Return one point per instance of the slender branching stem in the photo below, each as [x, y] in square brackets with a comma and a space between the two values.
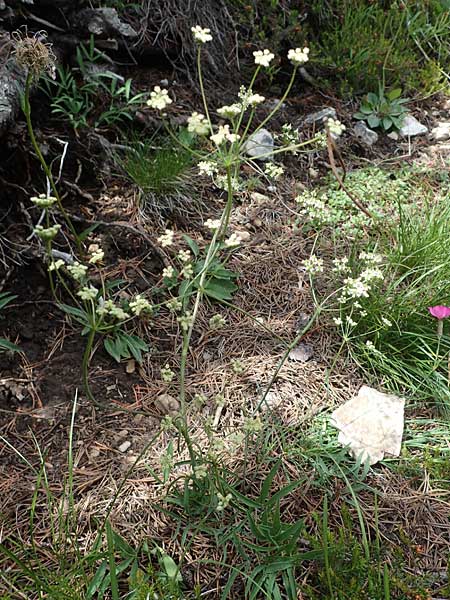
[46, 168]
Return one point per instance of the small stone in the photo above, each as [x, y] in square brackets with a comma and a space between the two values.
[319, 116]
[164, 82]
[441, 132]
[412, 127]
[130, 366]
[366, 135]
[124, 446]
[302, 353]
[313, 173]
[393, 135]
[260, 145]
[259, 198]
[168, 405]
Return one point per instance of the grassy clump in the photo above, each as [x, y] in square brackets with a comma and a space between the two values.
[389, 331]
[400, 43]
[156, 166]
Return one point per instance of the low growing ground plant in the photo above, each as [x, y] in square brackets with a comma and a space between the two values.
[387, 284]
[383, 110]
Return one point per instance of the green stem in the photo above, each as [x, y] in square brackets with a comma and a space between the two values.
[203, 274]
[27, 112]
[85, 367]
[202, 89]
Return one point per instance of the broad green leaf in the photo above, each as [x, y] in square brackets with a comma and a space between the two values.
[372, 98]
[111, 348]
[394, 94]
[387, 123]
[192, 245]
[373, 121]
[171, 568]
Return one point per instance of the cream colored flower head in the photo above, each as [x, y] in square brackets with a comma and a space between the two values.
[206, 167]
[201, 34]
[263, 57]
[299, 56]
[230, 111]
[166, 239]
[334, 126]
[224, 134]
[159, 98]
[43, 201]
[97, 254]
[255, 99]
[198, 124]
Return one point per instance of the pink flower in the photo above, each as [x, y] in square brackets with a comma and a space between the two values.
[440, 312]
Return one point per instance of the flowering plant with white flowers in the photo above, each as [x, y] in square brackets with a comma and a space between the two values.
[221, 154]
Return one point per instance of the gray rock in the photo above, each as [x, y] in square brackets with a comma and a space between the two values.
[104, 21]
[302, 353]
[412, 127]
[12, 84]
[318, 117]
[260, 145]
[124, 447]
[441, 132]
[366, 135]
[393, 135]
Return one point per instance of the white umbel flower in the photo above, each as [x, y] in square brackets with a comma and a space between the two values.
[166, 239]
[87, 293]
[201, 34]
[97, 254]
[140, 305]
[206, 167]
[212, 224]
[233, 241]
[77, 270]
[230, 111]
[274, 171]
[198, 124]
[263, 57]
[334, 126]
[298, 56]
[43, 201]
[224, 134]
[159, 98]
[255, 99]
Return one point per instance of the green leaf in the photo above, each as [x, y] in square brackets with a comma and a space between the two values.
[96, 580]
[6, 298]
[136, 346]
[268, 481]
[359, 115]
[84, 234]
[373, 121]
[366, 109]
[192, 245]
[387, 123]
[171, 568]
[111, 349]
[184, 287]
[8, 346]
[220, 289]
[394, 94]
[372, 98]
[186, 137]
[78, 314]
